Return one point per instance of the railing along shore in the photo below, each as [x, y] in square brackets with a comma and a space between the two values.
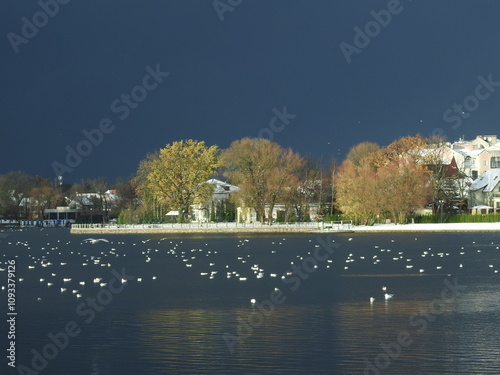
[332, 225]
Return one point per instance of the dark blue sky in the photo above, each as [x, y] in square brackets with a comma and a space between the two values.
[226, 77]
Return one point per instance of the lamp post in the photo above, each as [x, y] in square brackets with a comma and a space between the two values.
[91, 218]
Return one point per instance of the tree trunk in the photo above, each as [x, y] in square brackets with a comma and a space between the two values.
[270, 213]
[261, 212]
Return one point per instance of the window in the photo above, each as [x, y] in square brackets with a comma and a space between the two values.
[474, 174]
[495, 162]
[485, 163]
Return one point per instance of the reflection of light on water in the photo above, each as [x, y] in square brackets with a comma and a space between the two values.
[177, 336]
[479, 301]
[175, 324]
[181, 339]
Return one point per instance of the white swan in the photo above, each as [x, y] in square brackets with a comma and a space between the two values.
[95, 240]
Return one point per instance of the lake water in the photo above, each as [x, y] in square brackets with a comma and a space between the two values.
[191, 310]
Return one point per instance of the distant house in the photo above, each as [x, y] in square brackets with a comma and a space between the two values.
[83, 200]
[485, 192]
[218, 207]
[456, 184]
[479, 155]
[450, 177]
[301, 210]
[279, 214]
[451, 170]
[221, 208]
[475, 161]
[90, 204]
[62, 213]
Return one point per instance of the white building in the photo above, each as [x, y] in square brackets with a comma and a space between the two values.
[62, 213]
[218, 204]
[477, 156]
[249, 215]
[82, 200]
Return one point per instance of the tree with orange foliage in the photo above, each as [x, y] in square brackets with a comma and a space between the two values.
[393, 181]
[409, 148]
[263, 170]
[403, 187]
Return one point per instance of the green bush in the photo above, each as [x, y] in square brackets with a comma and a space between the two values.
[459, 218]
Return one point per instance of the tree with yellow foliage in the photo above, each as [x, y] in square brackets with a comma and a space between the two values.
[356, 192]
[176, 175]
[361, 151]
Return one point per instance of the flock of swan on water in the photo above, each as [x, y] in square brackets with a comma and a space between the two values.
[46, 256]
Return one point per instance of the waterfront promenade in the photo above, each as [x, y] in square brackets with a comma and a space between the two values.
[309, 227]
[196, 227]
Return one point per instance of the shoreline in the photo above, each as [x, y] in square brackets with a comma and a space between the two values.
[428, 227]
[194, 228]
[379, 228]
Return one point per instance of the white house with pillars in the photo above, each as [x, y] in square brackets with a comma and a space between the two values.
[217, 202]
[220, 201]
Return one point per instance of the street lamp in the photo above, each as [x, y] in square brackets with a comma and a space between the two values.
[91, 219]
